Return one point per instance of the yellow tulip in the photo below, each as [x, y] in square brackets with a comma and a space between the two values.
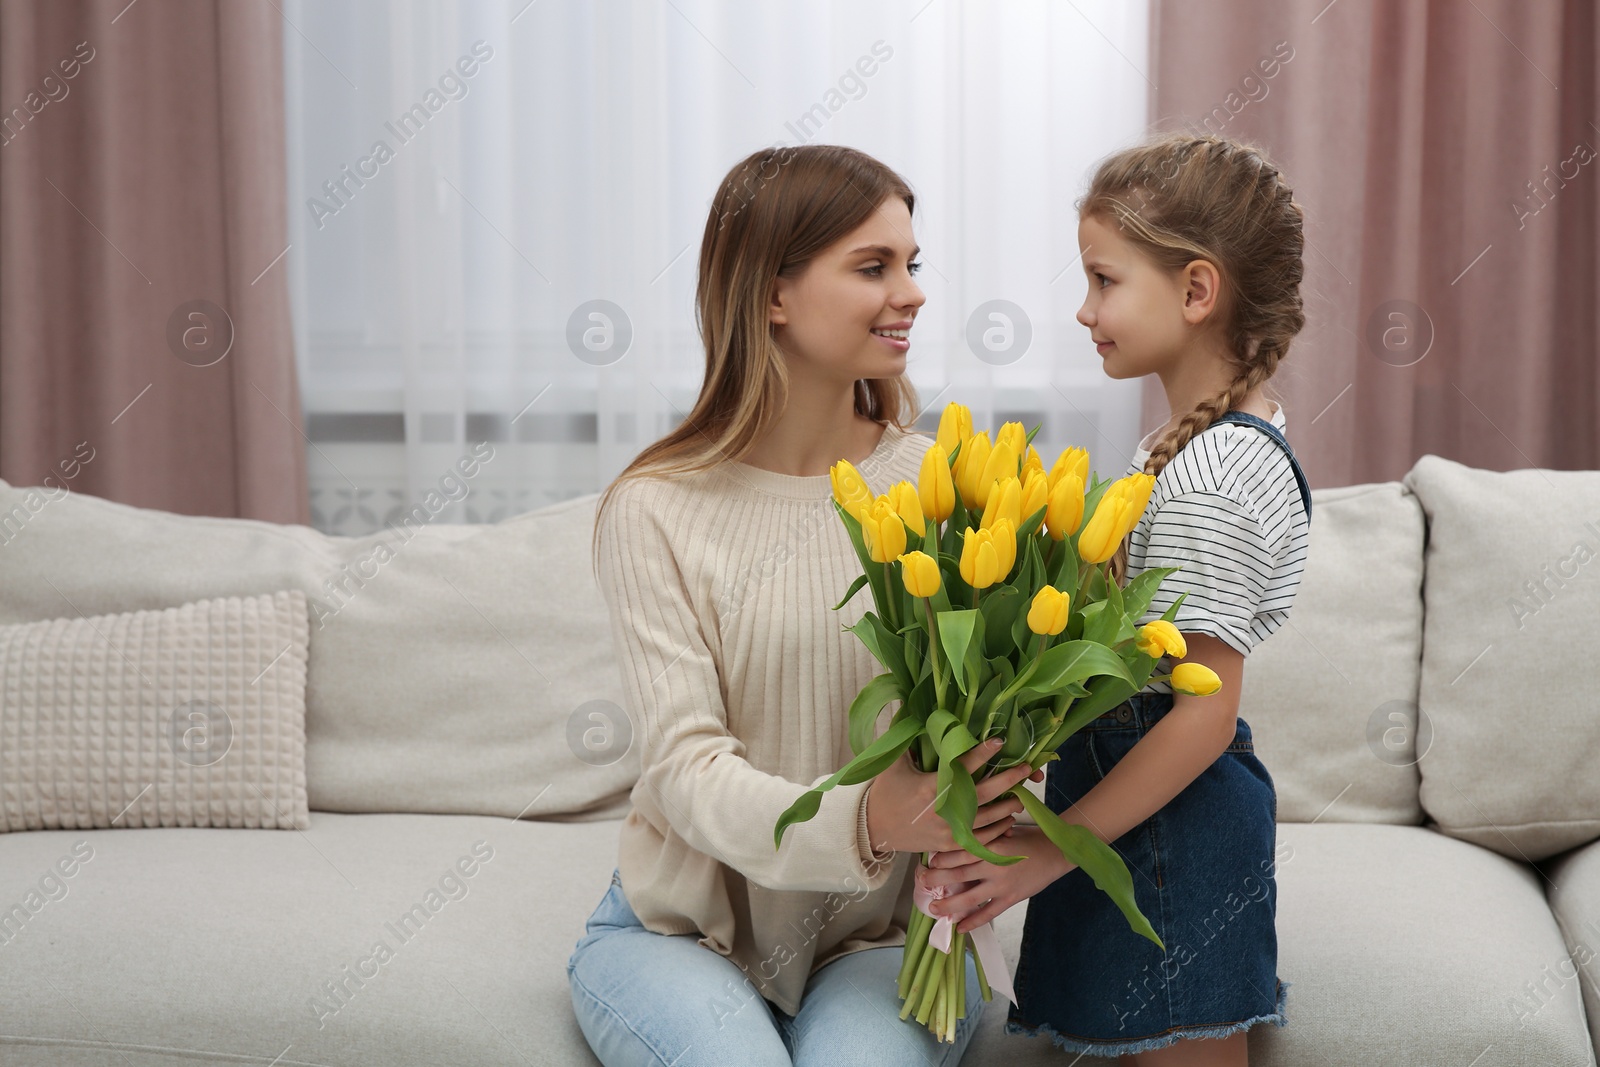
[1004, 535]
[980, 565]
[883, 532]
[1195, 679]
[903, 498]
[1065, 512]
[1005, 501]
[1002, 463]
[1035, 493]
[935, 486]
[969, 471]
[1161, 638]
[955, 426]
[920, 572]
[1015, 435]
[849, 488]
[1048, 614]
[1071, 461]
[1106, 528]
[1031, 462]
[1138, 492]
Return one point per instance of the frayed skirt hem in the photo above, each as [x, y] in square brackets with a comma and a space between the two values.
[1134, 1046]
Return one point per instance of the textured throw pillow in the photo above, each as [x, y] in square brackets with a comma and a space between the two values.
[454, 669]
[188, 716]
[1507, 686]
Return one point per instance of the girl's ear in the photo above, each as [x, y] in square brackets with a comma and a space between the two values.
[1201, 284]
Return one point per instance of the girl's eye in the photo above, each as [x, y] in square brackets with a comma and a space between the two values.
[1104, 281]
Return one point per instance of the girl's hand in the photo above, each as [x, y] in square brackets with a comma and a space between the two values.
[983, 890]
[900, 815]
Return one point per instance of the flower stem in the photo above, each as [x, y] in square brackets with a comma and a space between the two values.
[933, 653]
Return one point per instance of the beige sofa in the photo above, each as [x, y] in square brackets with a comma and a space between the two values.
[1442, 910]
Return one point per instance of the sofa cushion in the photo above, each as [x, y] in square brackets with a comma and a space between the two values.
[1375, 922]
[181, 946]
[1573, 888]
[188, 716]
[1511, 597]
[1328, 696]
[1405, 946]
[452, 668]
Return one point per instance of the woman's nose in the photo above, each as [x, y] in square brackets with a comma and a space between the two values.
[911, 296]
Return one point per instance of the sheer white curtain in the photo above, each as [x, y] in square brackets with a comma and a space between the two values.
[467, 178]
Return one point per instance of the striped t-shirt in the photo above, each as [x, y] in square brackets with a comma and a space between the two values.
[1226, 509]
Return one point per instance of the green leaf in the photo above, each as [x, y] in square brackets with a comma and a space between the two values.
[956, 796]
[1138, 593]
[1031, 524]
[950, 738]
[915, 646]
[999, 606]
[956, 630]
[1073, 661]
[864, 709]
[1065, 575]
[998, 680]
[920, 702]
[957, 803]
[855, 587]
[872, 761]
[1101, 622]
[1032, 571]
[1104, 693]
[1096, 858]
[884, 644]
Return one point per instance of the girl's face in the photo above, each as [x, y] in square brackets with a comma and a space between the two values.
[1140, 316]
[846, 315]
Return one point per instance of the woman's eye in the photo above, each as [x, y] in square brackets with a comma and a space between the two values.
[876, 270]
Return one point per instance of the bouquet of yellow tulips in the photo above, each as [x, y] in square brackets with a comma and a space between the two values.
[995, 616]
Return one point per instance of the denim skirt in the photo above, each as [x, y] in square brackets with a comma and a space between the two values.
[1203, 873]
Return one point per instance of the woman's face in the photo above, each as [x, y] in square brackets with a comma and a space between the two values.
[835, 318]
[1134, 310]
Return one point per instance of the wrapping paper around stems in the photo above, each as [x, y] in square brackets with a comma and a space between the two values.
[984, 940]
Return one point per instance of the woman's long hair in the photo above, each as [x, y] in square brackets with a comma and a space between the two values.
[774, 212]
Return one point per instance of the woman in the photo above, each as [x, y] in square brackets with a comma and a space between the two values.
[720, 557]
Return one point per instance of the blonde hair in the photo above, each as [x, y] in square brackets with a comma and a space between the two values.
[1185, 197]
[774, 212]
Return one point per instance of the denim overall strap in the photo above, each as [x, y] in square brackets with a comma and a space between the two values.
[1244, 418]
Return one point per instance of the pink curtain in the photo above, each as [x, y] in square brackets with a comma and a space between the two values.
[146, 353]
[1445, 153]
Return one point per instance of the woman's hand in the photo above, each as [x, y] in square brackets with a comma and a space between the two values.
[900, 815]
[983, 890]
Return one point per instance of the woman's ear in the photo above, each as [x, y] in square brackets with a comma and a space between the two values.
[777, 313]
[1201, 283]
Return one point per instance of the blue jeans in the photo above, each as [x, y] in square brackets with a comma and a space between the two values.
[644, 998]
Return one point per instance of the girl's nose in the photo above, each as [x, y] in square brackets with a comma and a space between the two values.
[1085, 317]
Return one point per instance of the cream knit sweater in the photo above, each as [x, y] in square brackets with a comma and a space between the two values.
[738, 676]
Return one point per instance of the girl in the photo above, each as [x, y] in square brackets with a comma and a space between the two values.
[720, 558]
[1192, 246]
